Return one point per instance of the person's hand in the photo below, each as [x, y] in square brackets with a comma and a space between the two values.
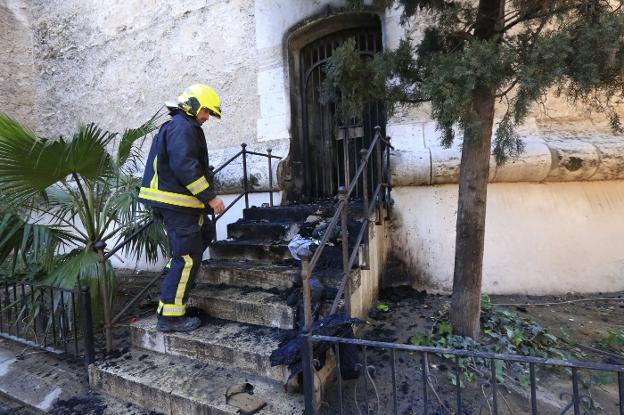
[217, 205]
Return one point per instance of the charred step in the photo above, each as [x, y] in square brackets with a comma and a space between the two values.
[237, 346]
[260, 230]
[244, 305]
[241, 273]
[177, 385]
[268, 252]
[294, 213]
[250, 250]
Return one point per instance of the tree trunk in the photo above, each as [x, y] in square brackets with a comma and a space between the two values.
[473, 179]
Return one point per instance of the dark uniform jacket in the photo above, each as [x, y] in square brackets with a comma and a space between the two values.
[176, 173]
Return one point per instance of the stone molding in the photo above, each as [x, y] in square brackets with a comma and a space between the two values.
[545, 159]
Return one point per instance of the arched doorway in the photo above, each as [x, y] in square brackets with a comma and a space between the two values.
[318, 154]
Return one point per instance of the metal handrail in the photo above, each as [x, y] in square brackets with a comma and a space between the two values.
[246, 191]
[470, 353]
[341, 205]
[349, 258]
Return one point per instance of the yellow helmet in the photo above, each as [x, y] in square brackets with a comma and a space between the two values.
[198, 96]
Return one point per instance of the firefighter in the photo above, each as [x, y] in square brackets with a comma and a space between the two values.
[176, 184]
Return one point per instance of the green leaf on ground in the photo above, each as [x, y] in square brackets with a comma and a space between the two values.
[384, 308]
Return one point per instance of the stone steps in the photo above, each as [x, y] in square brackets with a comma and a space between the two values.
[243, 306]
[176, 385]
[241, 347]
[248, 274]
[241, 293]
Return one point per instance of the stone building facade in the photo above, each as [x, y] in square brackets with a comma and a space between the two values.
[553, 222]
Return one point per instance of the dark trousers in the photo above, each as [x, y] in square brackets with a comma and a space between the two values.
[189, 235]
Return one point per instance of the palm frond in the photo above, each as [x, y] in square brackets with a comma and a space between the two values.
[80, 268]
[151, 244]
[29, 243]
[60, 202]
[132, 135]
[86, 152]
[28, 164]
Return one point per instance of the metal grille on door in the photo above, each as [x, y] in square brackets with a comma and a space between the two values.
[326, 157]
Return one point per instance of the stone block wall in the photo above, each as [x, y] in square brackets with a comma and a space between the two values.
[117, 64]
[16, 62]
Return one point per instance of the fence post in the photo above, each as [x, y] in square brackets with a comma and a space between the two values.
[344, 230]
[213, 222]
[270, 178]
[380, 175]
[87, 324]
[364, 156]
[100, 246]
[388, 182]
[309, 387]
[345, 158]
[245, 181]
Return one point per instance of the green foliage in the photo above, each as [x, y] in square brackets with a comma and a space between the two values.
[384, 308]
[503, 332]
[574, 47]
[614, 340]
[66, 195]
[28, 248]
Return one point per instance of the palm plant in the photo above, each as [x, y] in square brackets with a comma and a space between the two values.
[64, 199]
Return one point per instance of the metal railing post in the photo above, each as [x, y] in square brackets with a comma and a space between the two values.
[364, 156]
[388, 182]
[380, 178]
[308, 376]
[345, 159]
[307, 350]
[245, 181]
[344, 225]
[213, 222]
[270, 178]
[100, 246]
[307, 293]
[87, 324]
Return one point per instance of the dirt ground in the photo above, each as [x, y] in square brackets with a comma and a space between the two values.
[586, 319]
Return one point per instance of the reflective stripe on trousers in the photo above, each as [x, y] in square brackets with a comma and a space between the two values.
[186, 247]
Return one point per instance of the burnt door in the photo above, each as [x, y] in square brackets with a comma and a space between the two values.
[325, 155]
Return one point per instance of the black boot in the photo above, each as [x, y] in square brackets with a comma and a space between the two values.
[184, 323]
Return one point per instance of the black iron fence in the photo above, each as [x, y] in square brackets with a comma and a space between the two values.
[433, 398]
[46, 317]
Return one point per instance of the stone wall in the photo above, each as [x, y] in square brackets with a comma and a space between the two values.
[117, 64]
[16, 61]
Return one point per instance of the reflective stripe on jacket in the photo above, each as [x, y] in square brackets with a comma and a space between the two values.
[176, 172]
